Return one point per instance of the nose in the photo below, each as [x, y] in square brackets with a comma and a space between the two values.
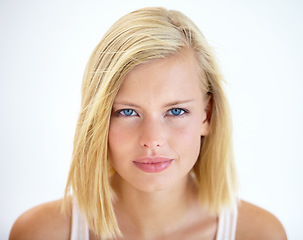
[151, 133]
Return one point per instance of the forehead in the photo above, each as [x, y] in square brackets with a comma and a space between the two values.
[177, 73]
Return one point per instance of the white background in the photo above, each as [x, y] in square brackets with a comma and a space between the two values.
[44, 47]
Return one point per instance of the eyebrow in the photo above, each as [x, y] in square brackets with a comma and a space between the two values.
[127, 104]
[178, 102]
[170, 104]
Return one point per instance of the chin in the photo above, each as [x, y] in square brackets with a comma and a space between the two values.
[158, 184]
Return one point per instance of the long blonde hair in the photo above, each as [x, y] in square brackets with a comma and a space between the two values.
[140, 36]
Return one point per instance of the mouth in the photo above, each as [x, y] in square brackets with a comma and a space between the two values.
[153, 164]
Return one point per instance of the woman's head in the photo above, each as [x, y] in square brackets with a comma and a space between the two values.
[158, 119]
[137, 38]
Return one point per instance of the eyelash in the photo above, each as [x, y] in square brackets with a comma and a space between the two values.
[120, 112]
[184, 112]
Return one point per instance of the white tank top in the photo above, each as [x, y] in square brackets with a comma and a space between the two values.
[226, 226]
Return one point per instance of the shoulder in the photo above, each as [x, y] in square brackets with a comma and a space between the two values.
[257, 223]
[45, 221]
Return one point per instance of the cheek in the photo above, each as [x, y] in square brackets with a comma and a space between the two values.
[189, 141]
[121, 140]
[116, 138]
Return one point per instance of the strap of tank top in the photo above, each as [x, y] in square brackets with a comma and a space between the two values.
[79, 227]
[227, 225]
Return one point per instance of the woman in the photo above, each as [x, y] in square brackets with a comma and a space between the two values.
[152, 152]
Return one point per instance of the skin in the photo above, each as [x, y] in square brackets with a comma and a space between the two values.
[151, 95]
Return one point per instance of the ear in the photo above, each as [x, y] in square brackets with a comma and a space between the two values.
[207, 114]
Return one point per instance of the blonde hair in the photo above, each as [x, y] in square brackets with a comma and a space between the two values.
[140, 36]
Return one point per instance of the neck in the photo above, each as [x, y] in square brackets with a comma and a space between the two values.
[153, 213]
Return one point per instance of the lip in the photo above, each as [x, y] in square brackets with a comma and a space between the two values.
[153, 164]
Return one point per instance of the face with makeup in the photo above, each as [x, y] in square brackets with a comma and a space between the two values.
[158, 118]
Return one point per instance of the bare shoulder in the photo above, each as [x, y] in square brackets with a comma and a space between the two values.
[45, 221]
[257, 223]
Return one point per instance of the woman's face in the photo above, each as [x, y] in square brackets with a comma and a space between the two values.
[158, 118]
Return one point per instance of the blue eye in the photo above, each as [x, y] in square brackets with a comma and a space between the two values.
[177, 111]
[127, 112]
